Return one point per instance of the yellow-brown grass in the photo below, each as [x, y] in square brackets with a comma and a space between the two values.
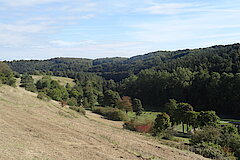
[34, 129]
[61, 80]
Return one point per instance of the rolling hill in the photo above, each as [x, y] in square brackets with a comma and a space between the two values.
[221, 58]
[35, 129]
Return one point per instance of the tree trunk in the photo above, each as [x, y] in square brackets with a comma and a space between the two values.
[183, 127]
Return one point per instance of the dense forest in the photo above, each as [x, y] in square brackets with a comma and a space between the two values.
[208, 78]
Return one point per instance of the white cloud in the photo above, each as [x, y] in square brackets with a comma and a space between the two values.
[15, 3]
[168, 8]
[30, 28]
[61, 43]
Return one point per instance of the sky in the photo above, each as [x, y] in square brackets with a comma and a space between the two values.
[43, 29]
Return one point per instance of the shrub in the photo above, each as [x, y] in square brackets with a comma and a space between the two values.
[111, 113]
[211, 150]
[162, 122]
[72, 102]
[208, 134]
[43, 96]
[116, 115]
[168, 134]
[78, 109]
[139, 124]
[225, 136]
[100, 110]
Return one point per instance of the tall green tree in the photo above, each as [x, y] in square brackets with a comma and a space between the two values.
[111, 98]
[137, 106]
[162, 122]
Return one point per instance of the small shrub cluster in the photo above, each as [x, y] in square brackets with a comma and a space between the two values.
[6, 75]
[43, 96]
[111, 113]
[215, 142]
[78, 109]
[139, 124]
[211, 150]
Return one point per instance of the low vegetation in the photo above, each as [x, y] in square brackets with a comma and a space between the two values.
[78, 109]
[114, 114]
[6, 75]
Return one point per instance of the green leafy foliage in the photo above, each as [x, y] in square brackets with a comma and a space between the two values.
[162, 122]
[137, 106]
[125, 103]
[6, 75]
[208, 118]
[27, 82]
[43, 96]
[226, 137]
[111, 98]
[111, 113]
[207, 78]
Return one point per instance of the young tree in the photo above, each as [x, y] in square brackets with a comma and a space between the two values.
[182, 110]
[111, 98]
[137, 106]
[170, 109]
[27, 82]
[162, 122]
[192, 119]
[208, 118]
[125, 104]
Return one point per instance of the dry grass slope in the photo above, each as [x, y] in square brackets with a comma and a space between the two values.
[32, 129]
[61, 80]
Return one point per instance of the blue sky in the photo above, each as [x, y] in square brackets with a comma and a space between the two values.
[41, 29]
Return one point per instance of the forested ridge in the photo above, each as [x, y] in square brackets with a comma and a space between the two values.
[208, 78]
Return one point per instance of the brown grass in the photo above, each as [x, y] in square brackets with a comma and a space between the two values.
[34, 129]
[62, 80]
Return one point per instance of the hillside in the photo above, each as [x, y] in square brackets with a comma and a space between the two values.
[216, 59]
[34, 129]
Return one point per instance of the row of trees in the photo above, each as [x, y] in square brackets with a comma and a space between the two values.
[183, 113]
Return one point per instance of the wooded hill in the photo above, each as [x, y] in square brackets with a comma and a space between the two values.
[208, 78]
[215, 59]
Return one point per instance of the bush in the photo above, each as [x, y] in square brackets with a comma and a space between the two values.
[111, 113]
[43, 96]
[139, 124]
[72, 102]
[226, 137]
[116, 115]
[168, 134]
[100, 110]
[211, 150]
[208, 134]
[161, 123]
[78, 109]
